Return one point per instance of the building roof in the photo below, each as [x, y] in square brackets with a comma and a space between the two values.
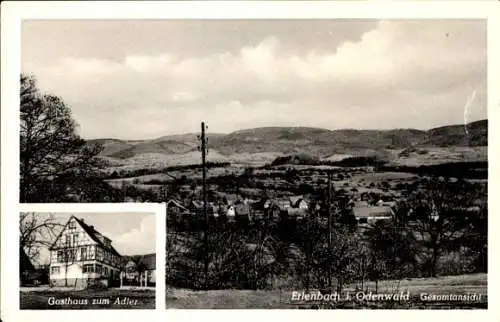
[361, 203]
[294, 200]
[242, 209]
[177, 204]
[24, 261]
[387, 203]
[264, 203]
[372, 211]
[92, 232]
[211, 208]
[297, 212]
[283, 202]
[232, 198]
[148, 261]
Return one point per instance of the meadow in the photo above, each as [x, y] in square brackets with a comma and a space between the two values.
[87, 299]
[281, 299]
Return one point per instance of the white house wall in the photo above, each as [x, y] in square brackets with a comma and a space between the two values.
[303, 205]
[75, 271]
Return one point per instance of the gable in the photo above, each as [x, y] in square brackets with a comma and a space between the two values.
[24, 261]
[86, 235]
[73, 228]
[141, 262]
[130, 264]
[302, 203]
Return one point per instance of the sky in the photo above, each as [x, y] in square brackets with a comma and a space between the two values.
[130, 233]
[145, 79]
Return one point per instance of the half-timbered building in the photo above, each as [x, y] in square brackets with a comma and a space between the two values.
[81, 256]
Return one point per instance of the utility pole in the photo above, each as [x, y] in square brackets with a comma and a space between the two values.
[329, 228]
[308, 253]
[205, 212]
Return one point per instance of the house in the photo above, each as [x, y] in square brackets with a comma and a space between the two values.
[262, 204]
[301, 204]
[391, 204]
[212, 209]
[25, 266]
[139, 270]
[372, 214]
[361, 203]
[31, 274]
[81, 256]
[24, 261]
[36, 277]
[242, 210]
[284, 204]
[230, 211]
[176, 206]
[296, 212]
[231, 199]
[298, 202]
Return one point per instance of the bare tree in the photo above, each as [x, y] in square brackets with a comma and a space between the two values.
[439, 221]
[36, 232]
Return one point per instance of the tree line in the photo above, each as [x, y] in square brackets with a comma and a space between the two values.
[433, 233]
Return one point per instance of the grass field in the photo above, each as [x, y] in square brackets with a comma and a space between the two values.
[281, 299]
[116, 299]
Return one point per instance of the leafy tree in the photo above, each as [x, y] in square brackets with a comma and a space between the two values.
[49, 147]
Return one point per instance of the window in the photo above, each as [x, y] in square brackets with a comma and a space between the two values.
[98, 268]
[75, 239]
[88, 268]
[70, 255]
[363, 220]
[68, 240]
[83, 253]
[60, 256]
[100, 254]
[105, 271]
[54, 270]
[72, 225]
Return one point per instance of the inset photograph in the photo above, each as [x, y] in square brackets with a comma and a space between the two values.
[87, 260]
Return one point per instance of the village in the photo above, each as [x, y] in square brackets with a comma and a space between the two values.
[233, 207]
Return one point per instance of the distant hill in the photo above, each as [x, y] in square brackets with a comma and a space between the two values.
[472, 134]
[314, 141]
[170, 144]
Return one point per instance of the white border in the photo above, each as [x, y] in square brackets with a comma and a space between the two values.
[13, 12]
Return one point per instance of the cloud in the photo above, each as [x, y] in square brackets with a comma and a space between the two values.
[141, 240]
[399, 74]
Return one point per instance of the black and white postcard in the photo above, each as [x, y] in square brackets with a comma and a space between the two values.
[328, 157]
[87, 261]
[322, 164]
